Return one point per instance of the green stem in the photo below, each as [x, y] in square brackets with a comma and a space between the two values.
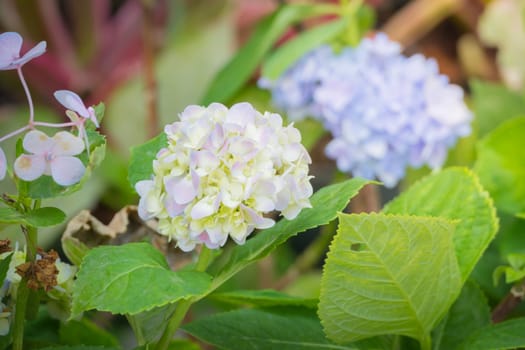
[184, 305]
[22, 294]
[426, 342]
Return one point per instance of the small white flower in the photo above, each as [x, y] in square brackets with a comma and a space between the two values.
[221, 171]
[51, 156]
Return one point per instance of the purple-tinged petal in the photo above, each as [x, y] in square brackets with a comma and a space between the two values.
[10, 45]
[181, 189]
[257, 220]
[143, 187]
[37, 142]
[35, 52]
[67, 171]
[72, 101]
[29, 167]
[67, 144]
[3, 164]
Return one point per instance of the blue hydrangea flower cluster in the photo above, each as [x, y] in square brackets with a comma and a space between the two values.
[385, 111]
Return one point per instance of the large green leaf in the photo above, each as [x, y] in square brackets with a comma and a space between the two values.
[454, 193]
[388, 274]
[500, 336]
[264, 329]
[493, 104]
[501, 165]
[469, 313]
[237, 72]
[325, 204]
[131, 278]
[142, 156]
[80, 347]
[264, 298]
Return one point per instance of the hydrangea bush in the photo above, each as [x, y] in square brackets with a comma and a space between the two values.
[223, 188]
[385, 111]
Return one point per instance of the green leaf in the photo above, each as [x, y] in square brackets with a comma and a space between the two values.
[494, 104]
[151, 324]
[504, 335]
[142, 156]
[469, 313]
[291, 51]
[237, 72]
[514, 272]
[131, 278]
[48, 216]
[325, 204]
[80, 347]
[44, 187]
[42, 217]
[264, 298]
[454, 193]
[265, 329]
[9, 215]
[4, 266]
[501, 165]
[388, 274]
[85, 332]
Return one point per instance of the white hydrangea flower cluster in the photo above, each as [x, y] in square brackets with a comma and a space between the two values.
[222, 170]
[385, 111]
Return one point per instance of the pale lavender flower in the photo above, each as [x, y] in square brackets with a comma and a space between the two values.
[73, 102]
[3, 164]
[221, 171]
[10, 46]
[385, 111]
[51, 156]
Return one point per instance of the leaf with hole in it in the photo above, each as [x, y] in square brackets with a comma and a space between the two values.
[325, 204]
[388, 274]
[131, 278]
[469, 313]
[500, 336]
[454, 193]
[501, 165]
[264, 329]
[238, 71]
[142, 156]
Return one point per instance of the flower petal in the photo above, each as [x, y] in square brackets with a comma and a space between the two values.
[3, 164]
[37, 142]
[67, 144]
[10, 45]
[36, 51]
[29, 167]
[72, 101]
[67, 171]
